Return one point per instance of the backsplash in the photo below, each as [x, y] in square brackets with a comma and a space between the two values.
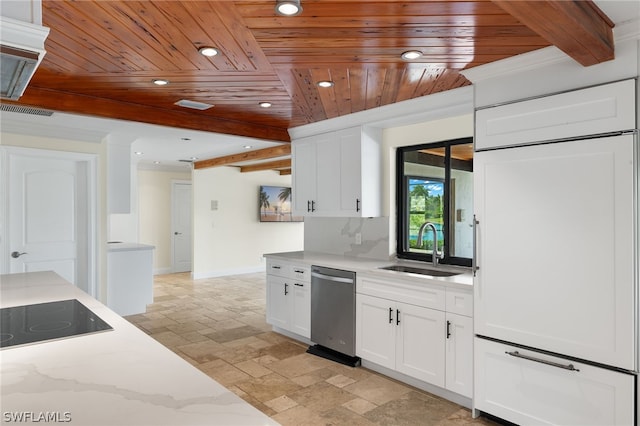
[338, 236]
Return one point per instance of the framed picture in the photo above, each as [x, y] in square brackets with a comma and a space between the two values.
[275, 205]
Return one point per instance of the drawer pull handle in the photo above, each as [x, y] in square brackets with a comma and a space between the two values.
[286, 289]
[448, 329]
[298, 271]
[390, 315]
[517, 354]
[275, 267]
[397, 317]
[298, 284]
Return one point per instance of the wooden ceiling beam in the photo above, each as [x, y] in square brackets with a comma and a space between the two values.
[578, 28]
[278, 164]
[61, 101]
[259, 154]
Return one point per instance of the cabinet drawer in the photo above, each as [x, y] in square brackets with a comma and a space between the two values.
[277, 268]
[529, 392]
[459, 302]
[424, 295]
[300, 273]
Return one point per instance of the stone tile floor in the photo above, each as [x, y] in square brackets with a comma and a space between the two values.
[218, 325]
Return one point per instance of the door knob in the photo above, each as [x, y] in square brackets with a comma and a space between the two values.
[16, 254]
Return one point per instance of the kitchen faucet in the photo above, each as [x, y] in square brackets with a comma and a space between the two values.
[434, 255]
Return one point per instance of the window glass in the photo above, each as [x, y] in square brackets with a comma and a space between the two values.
[435, 186]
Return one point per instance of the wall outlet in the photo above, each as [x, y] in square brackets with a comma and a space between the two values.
[358, 238]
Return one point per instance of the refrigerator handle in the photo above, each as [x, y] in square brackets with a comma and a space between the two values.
[474, 259]
[543, 361]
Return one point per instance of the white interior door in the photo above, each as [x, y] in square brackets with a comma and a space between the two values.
[181, 226]
[48, 216]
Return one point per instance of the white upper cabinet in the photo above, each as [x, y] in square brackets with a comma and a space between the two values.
[338, 174]
[595, 110]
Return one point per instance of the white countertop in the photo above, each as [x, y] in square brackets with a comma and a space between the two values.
[122, 246]
[118, 377]
[372, 267]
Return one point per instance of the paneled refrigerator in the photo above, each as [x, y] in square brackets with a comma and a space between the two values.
[556, 289]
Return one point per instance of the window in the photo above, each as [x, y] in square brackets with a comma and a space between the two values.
[435, 185]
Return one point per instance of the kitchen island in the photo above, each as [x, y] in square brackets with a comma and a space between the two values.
[115, 377]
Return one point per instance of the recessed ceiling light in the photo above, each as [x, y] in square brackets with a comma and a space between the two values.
[288, 7]
[248, 147]
[156, 162]
[325, 83]
[208, 51]
[194, 158]
[265, 104]
[160, 82]
[138, 152]
[411, 55]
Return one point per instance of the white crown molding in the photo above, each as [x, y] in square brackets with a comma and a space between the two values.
[451, 103]
[51, 131]
[541, 58]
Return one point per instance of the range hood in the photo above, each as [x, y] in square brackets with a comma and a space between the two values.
[21, 51]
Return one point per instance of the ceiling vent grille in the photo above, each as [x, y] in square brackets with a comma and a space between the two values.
[25, 110]
[193, 104]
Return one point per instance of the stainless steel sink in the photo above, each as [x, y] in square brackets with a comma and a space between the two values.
[421, 271]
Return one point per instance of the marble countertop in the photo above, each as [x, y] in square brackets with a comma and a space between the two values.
[123, 246]
[118, 377]
[371, 267]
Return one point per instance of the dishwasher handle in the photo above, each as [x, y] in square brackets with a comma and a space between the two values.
[331, 278]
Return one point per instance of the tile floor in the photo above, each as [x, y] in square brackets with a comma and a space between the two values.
[219, 326]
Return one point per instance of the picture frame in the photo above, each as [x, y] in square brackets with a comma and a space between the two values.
[274, 204]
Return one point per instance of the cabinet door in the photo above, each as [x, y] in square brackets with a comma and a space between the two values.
[420, 343]
[375, 330]
[556, 248]
[459, 354]
[328, 176]
[351, 172]
[304, 176]
[300, 305]
[527, 392]
[277, 301]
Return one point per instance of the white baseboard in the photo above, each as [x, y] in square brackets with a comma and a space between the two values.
[162, 271]
[227, 272]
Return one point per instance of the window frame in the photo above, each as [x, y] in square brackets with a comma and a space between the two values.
[402, 206]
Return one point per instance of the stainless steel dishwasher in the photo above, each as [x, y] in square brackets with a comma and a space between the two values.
[333, 314]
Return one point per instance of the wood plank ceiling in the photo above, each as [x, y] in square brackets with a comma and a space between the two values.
[103, 55]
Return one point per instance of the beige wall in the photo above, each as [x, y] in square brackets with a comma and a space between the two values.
[154, 209]
[231, 239]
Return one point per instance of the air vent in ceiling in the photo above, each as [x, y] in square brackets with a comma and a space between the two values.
[193, 104]
[25, 110]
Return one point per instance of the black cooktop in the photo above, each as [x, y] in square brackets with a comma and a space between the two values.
[21, 325]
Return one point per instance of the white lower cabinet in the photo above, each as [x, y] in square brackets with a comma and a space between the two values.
[532, 388]
[289, 297]
[459, 360]
[426, 343]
